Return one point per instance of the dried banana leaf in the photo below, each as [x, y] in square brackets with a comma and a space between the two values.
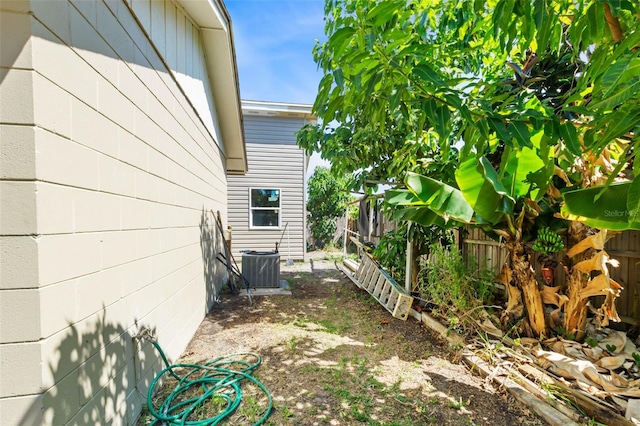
[593, 241]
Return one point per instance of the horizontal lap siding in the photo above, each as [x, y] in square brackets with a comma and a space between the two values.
[271, 165]
[271, 130]
[121, 173]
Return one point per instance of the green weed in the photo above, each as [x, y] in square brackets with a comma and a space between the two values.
[285, 412]
[250, 409]
[456, 405]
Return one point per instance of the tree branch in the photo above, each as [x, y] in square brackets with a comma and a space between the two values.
[614, 24]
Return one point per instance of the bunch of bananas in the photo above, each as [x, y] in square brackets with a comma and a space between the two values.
[548, 242]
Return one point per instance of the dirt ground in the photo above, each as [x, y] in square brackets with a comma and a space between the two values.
[331, 355]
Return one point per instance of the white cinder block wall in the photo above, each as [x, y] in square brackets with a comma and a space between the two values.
[108, 167]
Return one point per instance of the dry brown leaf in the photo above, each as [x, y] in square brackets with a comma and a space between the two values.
[533, 206]
[615, 338]
[594, 354]
[629, 349]
[597, 286]
[504, 234]
[603, 160]
[597, 263]
[593, 241]
[611, 362]
[558, 171]
[574, 350]
[515, 308]
[553, 193]
[558, 347]
[529, 341]
[550, 295]
[609, 306]
[554, 320]
[618, 380]
[505, 275]
[608, 309]
[514, 302]
[565, 366]
[488, 327]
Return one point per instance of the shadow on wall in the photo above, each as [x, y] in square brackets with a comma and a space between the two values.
[211, 243]
[101, 374]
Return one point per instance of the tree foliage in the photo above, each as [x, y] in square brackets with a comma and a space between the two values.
[405, 79]
[540, 98]
[391, 252]
[327, 198]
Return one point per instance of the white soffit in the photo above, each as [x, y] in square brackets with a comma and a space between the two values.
[278, 109]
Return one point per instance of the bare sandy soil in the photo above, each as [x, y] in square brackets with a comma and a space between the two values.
[332, 355]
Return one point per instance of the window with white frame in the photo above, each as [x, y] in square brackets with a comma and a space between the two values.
[264, 208]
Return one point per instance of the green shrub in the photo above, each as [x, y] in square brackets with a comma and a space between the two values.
[392, 249]
[446, 282]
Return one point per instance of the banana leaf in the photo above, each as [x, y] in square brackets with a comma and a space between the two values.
[482, 189]
[601, 207]
[423, 216]
[401, 197]
[414, 209]
[528, 171]
[427, 200]
[443, 199]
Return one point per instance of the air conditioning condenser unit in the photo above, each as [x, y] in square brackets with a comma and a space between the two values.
[261, 268]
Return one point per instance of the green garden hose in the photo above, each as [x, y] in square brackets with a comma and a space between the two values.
[199, 384]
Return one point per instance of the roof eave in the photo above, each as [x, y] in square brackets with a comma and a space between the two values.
[217, 37]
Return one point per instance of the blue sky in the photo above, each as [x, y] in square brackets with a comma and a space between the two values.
[274, 41]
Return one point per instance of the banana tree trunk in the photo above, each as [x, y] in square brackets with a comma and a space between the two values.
[525, 278]
[575, 309]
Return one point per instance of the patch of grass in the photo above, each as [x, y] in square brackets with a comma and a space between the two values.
[145, 416]
[218, 404]
[310, 368]
[331, 302]
[362, 366]
[456, 405]
[334, 328]
[285, 412]
[354, 386]
[360, 415]
[251, 409]
[333, 256]
[292, 344]
[300, 322]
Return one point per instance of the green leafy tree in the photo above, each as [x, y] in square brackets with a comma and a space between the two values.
[391, 252]
[327, 198]
[540, 96]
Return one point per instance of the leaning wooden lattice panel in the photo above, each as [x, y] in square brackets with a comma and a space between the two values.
[371, 277]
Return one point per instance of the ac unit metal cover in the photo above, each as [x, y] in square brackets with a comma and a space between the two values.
[261, 269]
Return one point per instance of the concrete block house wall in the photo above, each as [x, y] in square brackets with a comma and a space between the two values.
[275, 163]
[119, 121]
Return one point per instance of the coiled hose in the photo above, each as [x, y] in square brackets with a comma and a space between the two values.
[199, 384]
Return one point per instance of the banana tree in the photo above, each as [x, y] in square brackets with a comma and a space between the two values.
[501, 201]
[610, 208]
